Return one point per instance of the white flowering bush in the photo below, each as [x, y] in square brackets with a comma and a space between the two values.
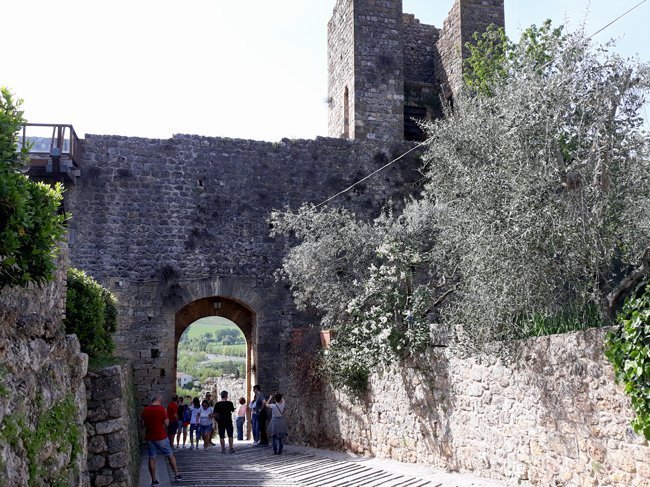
[387, 320]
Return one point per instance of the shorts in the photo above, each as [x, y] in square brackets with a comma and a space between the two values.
[223, 428]
[161, 446]
[204, 429]
[172, 427]
[183, 427]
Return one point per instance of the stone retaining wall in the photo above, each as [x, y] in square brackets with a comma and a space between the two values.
[552, 417]
[42, 393]
[111, 426]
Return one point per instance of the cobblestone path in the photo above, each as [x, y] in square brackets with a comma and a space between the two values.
[251, 466]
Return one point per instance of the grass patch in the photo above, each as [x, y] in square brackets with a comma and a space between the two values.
[209, 324]
[566, 321]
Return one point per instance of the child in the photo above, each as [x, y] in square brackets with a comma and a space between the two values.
[241, 417]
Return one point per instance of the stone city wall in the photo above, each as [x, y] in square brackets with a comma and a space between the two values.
[553, 417]
[163, 223]
[112, 427]
[42, 393]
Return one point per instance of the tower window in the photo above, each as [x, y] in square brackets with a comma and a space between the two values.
[411, 129]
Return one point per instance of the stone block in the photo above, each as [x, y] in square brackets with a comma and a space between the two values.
[114, 407]
[96, 462]
[105, 388]
[110, 426]
[97, 444]
[96, 414]
[102, 480]
[117, 442]
[117, 460]
[121, 474]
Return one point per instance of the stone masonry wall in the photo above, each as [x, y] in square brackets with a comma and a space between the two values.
[163, 223]
[340, 70]
[419, 50]
[553, 417]
[42, 394]
[465, 18]
[112, 427]
[378, 70]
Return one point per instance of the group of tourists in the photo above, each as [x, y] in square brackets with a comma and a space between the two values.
[164, 425]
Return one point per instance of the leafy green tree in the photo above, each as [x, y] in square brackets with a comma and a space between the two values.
[30, 226]
[91, 313]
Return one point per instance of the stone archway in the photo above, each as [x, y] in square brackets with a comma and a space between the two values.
[240, 314]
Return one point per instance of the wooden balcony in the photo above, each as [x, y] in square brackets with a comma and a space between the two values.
[54, 151]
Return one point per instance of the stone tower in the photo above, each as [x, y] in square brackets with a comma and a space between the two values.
[386, 69]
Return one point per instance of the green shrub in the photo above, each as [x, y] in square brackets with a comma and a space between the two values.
[29, 229]
[628, 349]
[30, 226]
[91, 313]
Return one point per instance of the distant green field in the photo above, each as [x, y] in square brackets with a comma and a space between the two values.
[209, 324]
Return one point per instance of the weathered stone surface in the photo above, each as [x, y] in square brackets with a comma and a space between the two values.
[103, 480]
[116, 441]
[109, 426]
[105, 388]
[118, 460]
[96, 462]
[97, 444]
[39, 374]
[116, 438]
[542, 426]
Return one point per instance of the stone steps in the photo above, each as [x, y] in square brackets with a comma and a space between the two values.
[253, 467]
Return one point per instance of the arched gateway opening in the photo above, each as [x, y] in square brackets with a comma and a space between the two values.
[243, 316]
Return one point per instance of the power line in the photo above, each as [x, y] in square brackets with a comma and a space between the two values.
[427, 140]
[373, 173]
[616, 19]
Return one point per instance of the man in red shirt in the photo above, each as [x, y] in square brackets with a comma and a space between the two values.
[172, 415]
[155, 421]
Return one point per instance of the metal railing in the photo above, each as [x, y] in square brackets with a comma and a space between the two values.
[54, 149]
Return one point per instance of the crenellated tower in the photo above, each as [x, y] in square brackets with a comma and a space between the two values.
[386, 69]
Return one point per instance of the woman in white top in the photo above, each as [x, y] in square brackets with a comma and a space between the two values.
[195, 408]
[205, 416]
[278, 428]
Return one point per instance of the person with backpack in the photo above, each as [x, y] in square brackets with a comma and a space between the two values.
[183, 420]
[278, 428]
[257, 405]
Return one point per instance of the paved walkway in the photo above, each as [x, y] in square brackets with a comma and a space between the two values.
[300, 466]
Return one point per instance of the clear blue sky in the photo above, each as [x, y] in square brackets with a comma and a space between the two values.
[248, 69]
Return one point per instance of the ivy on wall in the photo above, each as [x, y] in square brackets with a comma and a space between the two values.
[628, 349]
